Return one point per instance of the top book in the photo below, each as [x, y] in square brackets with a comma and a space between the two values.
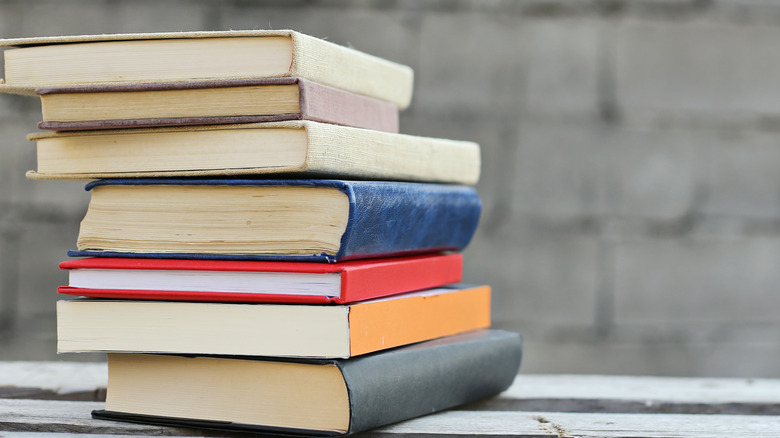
[32, 63]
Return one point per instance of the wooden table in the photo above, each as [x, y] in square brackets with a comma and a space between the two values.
[44, 399]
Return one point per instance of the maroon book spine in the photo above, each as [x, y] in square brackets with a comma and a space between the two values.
[330, 105]
[318, 103]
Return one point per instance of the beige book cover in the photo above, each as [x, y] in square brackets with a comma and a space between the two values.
[32, 63]
[299, 148]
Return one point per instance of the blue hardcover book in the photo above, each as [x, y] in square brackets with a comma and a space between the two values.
[295, 220]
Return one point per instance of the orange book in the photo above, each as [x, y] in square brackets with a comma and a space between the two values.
[282, 330]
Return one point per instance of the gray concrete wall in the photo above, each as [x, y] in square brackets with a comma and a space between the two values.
[630, 166]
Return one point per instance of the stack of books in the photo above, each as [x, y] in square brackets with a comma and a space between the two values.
[262, 250]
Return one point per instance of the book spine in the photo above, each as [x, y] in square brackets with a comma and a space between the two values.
[368, 75]
[362, 283]
[408, 382]
[344, 152]
[330, 105]
[382, 324]
[407, 218]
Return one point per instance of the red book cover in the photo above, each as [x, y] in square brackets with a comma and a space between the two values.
[357, 280]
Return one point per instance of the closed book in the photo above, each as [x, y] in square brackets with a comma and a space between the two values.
[311, 398]
[284, 220]
[257, 281]
[281, 330]
[303, 149]
[208, 103]
[138, 58]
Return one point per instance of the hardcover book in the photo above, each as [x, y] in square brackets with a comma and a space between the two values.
[285, 220]
[256, 281]
[40, 62]
[283, 149]
[280, 330]
[311, 398]
[208, 103]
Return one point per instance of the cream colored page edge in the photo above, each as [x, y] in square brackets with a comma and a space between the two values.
[274, 393]
[34, 175]
[11, 42]
[202, 328]
[272, 150]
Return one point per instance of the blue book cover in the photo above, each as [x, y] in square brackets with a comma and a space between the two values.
[384, 219]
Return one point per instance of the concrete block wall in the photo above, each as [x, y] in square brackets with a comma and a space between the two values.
[630, 150]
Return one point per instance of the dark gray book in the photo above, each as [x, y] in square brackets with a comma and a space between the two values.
[325, 397]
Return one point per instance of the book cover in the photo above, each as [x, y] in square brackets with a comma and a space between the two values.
[280, 330]
[381, 388]
[39, 62]
[209, 280]
[382, 219]
[210, 102]
[302, 149]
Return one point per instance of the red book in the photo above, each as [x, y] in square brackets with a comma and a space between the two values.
[258, 281]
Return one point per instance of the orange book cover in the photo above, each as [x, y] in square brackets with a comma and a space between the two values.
[377, 325]
[281, 330]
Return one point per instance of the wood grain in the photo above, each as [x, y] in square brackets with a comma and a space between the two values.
[583, 407]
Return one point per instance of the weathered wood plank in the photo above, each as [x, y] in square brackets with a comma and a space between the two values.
[550, 393]
[47, 417]
[63, 377]
[53, 380]
[669, 389]
[74, 417]
[633, 394]
[583, 425]
[54, 416]
[72, 435]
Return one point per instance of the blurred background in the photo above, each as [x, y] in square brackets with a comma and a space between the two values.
[631, 166]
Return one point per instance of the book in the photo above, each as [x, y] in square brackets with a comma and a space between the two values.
[295, 148]
[282, 220]
[280, 330]
[257, 281]
[324, 398]
[210, 102]
[40, 62]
